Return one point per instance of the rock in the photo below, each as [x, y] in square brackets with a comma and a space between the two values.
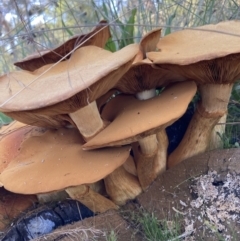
[45, 219]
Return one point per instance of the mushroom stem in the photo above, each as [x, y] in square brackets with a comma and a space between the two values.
[52, 196]
[130, 166]
[212, 107]
[91, 199]
[149, 167]
[151, 158]
[148, 145]
[88, 120]
[122, 186]
[215, 98]
[217, 133]
[146, 94]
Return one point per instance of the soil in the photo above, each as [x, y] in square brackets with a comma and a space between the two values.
[203, 193]
[172, 194]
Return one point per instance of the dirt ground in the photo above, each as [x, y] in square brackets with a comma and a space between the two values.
[196, 192]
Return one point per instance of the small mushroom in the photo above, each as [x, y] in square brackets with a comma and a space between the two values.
[214, 64]
[142, 80]
[97, 37]
[132, 120]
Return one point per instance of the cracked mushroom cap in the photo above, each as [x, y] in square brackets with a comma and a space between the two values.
[97, 37]
[133, 119]
[148, 43]
[54, 160]
[214, 51]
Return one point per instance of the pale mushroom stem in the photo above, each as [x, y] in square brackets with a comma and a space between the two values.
[52, 196]
[152, 156]
[149, 144]
[217, 134]
[91, 199]
[88, 120]
[149, 167]
[122, 186]
[130, 166]
[212, 107]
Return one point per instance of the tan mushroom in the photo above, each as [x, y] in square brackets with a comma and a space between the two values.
[209, 55]
[54, 160]
[132, 120]
[97, 37]
[142, 80]
[141, 77]
[11, 204]
[11, 138]
[49, 95]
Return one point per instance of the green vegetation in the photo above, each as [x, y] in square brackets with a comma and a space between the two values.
[156, 230]
[153, 229]
[4, 120]
[32, 26]
[112, 236]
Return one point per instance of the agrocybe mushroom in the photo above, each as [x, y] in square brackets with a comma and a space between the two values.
[209, 55]
[58, 94]
[11, 204]
[73, 85]
[144, 121]
[97, 37]
[49, 161]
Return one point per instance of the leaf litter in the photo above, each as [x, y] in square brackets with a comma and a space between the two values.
[216, 205]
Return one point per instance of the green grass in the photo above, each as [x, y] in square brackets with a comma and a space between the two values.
[112, 236]
[151, 228]
[4, 120]
[159, 230]
[129, 21]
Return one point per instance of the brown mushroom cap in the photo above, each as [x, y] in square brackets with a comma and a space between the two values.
[11, 138]
[90, 69]
[133, 119]
[5, 129]
[148, 43]
[209, 55]
[97, 37]
[54, 160]
[214, 51]
[202, 43]
[142, 76]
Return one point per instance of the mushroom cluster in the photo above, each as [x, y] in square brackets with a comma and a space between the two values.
[94, 125]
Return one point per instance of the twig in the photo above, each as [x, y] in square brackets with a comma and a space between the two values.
[184, 235]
